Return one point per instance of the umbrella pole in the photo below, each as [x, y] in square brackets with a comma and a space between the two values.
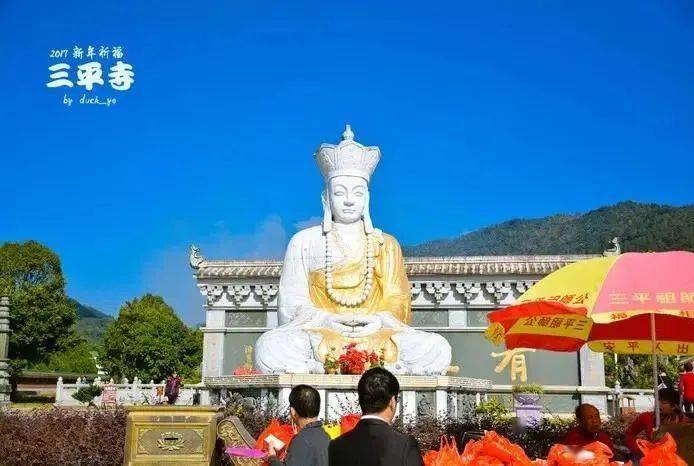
[655, 372]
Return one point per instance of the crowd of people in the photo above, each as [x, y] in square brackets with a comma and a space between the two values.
[374, 441]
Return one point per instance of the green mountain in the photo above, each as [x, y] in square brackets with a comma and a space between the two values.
[640, 227]
[91, 323]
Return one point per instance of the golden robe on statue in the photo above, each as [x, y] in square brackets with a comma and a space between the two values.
[307, 314]
[391, 291]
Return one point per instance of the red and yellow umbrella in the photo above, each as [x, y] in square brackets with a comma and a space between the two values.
[635, 303]
[620, 304]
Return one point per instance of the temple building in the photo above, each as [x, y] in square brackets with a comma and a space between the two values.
[451, 296]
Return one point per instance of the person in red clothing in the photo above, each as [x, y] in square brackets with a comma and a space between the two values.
[670, 413]
[687, 388]
[588, 429]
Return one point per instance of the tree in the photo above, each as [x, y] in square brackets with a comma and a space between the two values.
[148, 340]
[636, 370]
[77, 359]
[41, 316]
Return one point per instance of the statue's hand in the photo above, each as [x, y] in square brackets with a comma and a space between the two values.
[356, 325]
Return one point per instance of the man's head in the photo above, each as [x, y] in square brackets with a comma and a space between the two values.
[588, 418]
[378, 392]
[304, 402]
[669, 400]
[688, 367]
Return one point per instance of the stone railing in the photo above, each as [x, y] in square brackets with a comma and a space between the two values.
[127, 393]
[138, 393]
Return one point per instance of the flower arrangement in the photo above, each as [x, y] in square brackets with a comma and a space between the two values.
[331, 363]
[356, 361]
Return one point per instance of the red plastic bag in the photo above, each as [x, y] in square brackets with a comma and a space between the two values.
[284, 432]
[430, 458]
[662, 453]
[348, 422]
[494, 450]
[486, 461]
[447, 455]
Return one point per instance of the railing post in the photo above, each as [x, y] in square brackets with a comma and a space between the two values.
[617, 398]
[136, 393]
[5, 387]
[59, 391]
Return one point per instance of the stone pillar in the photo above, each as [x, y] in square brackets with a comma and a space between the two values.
[5, 387]
[284, 398]
[213, 343]
[322, 414]
[592, 372]
[441, 403]
[409, 405]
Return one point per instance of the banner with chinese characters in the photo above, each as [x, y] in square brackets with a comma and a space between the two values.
[615, 304]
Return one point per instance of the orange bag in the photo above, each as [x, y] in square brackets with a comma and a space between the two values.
[447, 455]
[494, 450]
[284, 432]
[662, 453]
[562, 455]
[348, 422]
[430, 458]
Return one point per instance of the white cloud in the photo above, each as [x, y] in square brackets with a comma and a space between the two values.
[309, 222]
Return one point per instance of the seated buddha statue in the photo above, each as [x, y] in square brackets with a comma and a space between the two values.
[344, 282]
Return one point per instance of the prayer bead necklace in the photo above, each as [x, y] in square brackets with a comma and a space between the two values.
[368, 273]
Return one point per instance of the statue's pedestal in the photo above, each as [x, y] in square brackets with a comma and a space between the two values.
[419, 395]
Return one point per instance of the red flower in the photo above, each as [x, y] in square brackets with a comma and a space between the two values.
[356, 361]
[243, 370]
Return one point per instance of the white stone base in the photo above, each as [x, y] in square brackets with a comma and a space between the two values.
[437, 395]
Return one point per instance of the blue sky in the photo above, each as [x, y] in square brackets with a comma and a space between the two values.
[484, 111]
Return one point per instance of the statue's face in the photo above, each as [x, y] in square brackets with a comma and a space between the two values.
[347, 198]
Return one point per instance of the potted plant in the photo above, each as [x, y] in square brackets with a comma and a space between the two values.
[527, 394]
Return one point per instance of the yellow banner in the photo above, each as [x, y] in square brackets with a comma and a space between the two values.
[556, 325]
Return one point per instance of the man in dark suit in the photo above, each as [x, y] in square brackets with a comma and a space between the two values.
[309, 447]
[374, 442]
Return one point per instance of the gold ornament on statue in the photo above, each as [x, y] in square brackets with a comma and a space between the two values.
[248, 349]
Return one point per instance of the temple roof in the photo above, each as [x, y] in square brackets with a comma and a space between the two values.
[465, 265]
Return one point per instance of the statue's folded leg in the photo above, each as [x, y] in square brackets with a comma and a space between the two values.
[285, 350]
[422, 352]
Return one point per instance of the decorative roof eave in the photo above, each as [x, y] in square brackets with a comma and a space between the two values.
[415, 266]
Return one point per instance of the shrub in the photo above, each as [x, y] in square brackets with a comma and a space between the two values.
[493, 408]
[254, 417]
[528, 388]
[87, 393]
[79, 437]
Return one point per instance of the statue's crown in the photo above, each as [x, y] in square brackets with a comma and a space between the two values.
[347, 158]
